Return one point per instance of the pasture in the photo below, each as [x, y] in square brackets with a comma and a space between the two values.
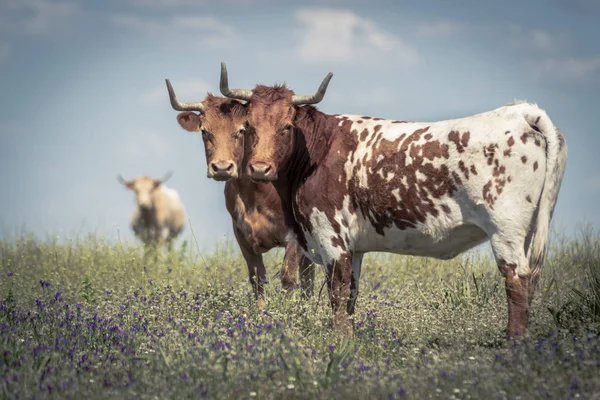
[87, 318]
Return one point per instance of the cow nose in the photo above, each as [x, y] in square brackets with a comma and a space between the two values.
[222, 170]
[262, 171]
[222, 166]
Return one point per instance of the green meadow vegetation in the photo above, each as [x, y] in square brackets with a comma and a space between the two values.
[89, 318]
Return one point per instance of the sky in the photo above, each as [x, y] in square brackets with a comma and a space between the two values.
[84, 99]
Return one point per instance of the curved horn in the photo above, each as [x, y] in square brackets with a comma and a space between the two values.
[314, 98]
[198, 106]
[166, 177]
[240, 94]
[121, 180]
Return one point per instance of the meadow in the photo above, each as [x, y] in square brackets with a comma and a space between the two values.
[85, 317]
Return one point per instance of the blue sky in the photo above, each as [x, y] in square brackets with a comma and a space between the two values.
[83, 94]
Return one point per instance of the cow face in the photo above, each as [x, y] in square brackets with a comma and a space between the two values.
[271, 113]
[223, 137]
[143, 187]
[222, 123]
[270, 138]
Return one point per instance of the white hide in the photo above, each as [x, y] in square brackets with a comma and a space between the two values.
[471, 219]
[167, 202]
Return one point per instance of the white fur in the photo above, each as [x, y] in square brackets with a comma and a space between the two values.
[165, 201]
[471, 219]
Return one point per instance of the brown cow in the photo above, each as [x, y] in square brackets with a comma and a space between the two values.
[255, 209]
[353, 184]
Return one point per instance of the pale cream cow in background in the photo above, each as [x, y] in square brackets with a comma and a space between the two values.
[159, 216]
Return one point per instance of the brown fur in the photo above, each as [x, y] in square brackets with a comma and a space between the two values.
[308, 169]
[255, 209]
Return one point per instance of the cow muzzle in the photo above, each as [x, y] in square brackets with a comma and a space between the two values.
[222, 170]
[145, 207]
[262, 172]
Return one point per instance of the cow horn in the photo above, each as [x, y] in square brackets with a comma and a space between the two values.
[240, 94]
[166, 177]
[198, 106]
[314, 98]
[121, 180]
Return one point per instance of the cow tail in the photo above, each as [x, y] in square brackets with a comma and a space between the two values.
[556, 162]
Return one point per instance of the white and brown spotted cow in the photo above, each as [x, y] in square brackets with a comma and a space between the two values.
[255, 209]
[351, 185]
[159, 216]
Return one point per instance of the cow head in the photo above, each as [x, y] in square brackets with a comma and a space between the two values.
[271, 115]
[222, 122]
[144, 187]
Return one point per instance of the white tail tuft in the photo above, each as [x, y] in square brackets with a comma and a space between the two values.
[556, 162]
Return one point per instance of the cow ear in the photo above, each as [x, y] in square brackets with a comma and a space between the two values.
[129, 185]
[189, 121]
[157, 183]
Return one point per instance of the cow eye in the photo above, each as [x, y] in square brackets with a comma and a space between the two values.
[206, 134]
[287, 129]
[238, 134]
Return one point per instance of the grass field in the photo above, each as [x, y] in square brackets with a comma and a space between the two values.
[84, 318]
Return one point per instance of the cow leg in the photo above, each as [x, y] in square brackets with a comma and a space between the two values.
[148, 248]
[289, 267]
[141, 233]
[307, 276]
[164, 242]
[151, 244]
[257, 273]
[514, 266]
[338, 283]
[169, 245]
[160, 241]
[354, 280]
[169, 248]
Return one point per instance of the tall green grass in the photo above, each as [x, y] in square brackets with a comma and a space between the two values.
[89, 317]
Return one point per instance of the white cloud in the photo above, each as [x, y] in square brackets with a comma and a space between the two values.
[336, 35]
[542, 40]
[35, 17]
[145, 144]
[548, 41]
[186, 90]
[573, 69]
[199, 29]
[538, 39]
[440, 28]
[547, 55]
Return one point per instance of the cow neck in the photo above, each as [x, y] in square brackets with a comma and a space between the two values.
[250, 190]
[313, 130]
